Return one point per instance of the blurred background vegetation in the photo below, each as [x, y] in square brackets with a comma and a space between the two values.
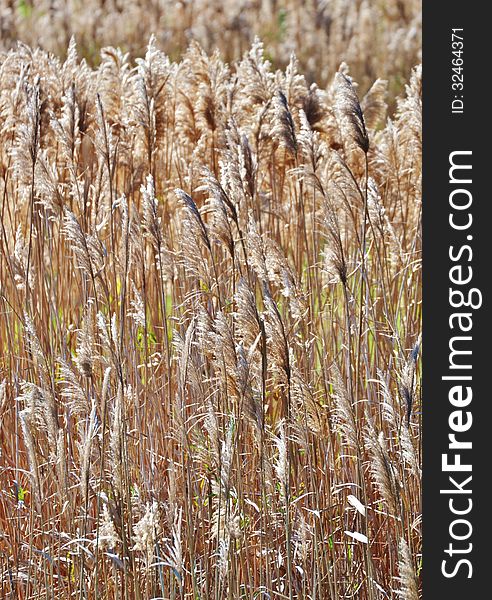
[377, 38]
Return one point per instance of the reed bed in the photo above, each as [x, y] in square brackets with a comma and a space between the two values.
[210, 313]
[377, 38]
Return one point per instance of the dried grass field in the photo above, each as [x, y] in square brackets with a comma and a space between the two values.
[210, 300]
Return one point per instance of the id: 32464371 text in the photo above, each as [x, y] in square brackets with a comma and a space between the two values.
[457, 74]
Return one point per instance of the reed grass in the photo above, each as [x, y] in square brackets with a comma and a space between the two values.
[210, 313]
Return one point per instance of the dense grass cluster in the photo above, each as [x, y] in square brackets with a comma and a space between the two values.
[209, 323]
[377, 38]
